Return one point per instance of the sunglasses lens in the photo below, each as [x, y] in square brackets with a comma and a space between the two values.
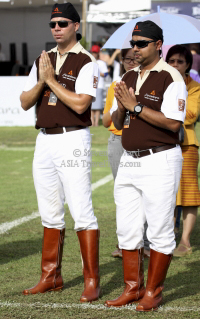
[52, 25]
[142, 44]
[62, 24]
[139, 44]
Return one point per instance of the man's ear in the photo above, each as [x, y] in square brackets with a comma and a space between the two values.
[158, 45]
[77, 25]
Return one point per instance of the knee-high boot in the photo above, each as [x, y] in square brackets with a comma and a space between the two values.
[157, 271]
[133, 264]
[89, 245]
[52, 250]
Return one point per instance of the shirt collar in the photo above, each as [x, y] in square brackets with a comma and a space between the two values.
[75, 49]
[158, 67]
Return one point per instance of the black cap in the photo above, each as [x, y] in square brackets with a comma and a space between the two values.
[65, 10]
[148, 29]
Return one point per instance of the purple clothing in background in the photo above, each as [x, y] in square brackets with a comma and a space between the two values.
[195, 76]
[196, 62]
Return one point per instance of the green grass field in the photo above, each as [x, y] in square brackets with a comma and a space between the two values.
[20, 247]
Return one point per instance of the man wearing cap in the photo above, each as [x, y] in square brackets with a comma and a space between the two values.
[151, 107]
[62, 84]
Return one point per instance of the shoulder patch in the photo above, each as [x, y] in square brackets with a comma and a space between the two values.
[95, 82]
[181, 105]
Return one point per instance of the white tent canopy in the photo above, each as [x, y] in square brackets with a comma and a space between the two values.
[118, 11]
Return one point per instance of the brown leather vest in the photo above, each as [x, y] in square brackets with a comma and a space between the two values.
[60, 115]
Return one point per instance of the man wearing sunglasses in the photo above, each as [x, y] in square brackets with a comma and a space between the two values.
[62, 84]
[150, 107]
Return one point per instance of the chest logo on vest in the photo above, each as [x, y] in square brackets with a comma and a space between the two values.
[69, 76]
[152, 96]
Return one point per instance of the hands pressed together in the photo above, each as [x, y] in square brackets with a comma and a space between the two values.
[125, 97]
[46, 70]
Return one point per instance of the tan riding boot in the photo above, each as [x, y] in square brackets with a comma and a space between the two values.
[133, 264]
[157, 271]
[52, 250]
[89, 245]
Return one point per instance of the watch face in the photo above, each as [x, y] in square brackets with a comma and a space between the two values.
[138, 108]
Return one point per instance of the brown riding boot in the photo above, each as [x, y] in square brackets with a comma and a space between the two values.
[133, 264]
[89, 245]
[157, 271]
[52, 250]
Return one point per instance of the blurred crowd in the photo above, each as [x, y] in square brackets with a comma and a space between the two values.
[110, 63]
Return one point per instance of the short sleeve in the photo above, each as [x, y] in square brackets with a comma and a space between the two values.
[109, 98]
[103, 67]
[174, 101]
[87, 79]
[32, 78]
[114, 106]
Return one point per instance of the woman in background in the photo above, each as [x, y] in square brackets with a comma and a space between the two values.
[188, 195]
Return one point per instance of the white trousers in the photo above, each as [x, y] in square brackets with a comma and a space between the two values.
[145, 189]
[61, 171]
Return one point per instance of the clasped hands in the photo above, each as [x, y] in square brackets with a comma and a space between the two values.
[46, 70]
[125, 97]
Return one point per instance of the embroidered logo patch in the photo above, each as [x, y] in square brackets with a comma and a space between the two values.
[69, 76]
[56, 10]
[47, 93]
[152, 96]
[136, 28]
[181, 105]
[95, 83]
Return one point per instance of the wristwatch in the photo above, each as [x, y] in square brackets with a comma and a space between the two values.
[138, 109]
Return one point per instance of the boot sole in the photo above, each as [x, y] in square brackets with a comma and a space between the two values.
[100, 295]
[54, 289]
[127, 304]
[153, 309]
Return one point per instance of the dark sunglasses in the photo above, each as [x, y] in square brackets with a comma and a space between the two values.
[141, 43]
[61, 23]
[171, 61]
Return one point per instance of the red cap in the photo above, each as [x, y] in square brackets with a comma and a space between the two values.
[95, 49]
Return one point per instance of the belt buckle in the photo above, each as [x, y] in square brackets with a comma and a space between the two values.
[136, 154]
[43, 130]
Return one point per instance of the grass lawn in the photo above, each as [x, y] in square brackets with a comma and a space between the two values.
[20, 247]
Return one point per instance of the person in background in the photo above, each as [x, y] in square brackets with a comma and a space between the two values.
[2, 55]
[112, 61]
[97, 106]
[195, 68]
[188, 195]
[63, 83]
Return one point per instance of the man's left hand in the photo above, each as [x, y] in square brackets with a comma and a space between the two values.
[125, 96]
